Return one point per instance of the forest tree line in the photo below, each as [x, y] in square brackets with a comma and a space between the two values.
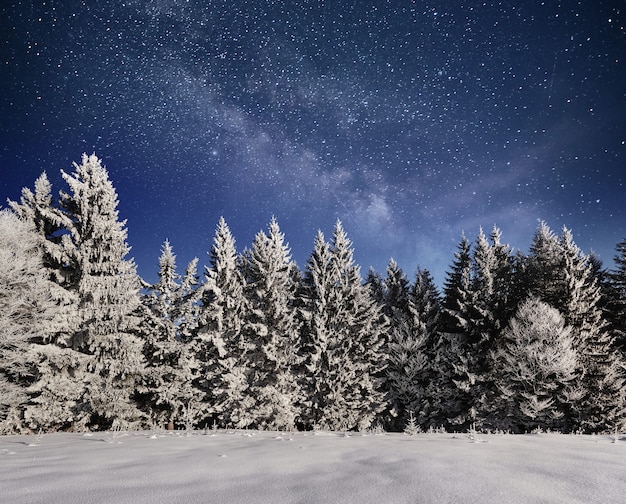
[513, 342]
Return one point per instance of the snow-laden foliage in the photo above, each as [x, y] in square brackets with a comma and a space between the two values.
[168, 322]
[273, 330]
[221, 346]
[26, 309]
[562, 275]
[344, 340]
[413, 318]
[535, 371]
[516, 342]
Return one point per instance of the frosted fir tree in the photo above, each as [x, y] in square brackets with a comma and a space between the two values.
[453, 351]
[168, 322]
[50, 223]
[107, 287]
[616, 285]
[561, 275]
[603, 406]
[426, 299]
[408, 371]
[535, 370]
[220, 346]
[344, 337]
[396, 293]
[273, 330]
[492, 274]
[26, 309]
[57, 399]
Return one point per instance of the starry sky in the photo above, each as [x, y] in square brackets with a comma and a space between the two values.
[411, 121]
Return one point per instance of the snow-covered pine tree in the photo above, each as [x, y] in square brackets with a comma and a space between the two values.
[26, 309]
[492, 272]
[535, 370]
[316, 310]
[58, 399]
[544, 273]
[273, 330]
[603, 405]
[220, 346]
[107, 287]
[374, 282]
[561, 275]
[345, 339]
[50, 224]
[453, 352]
[427, 301]
[617, 298]
[168, 320]
[407, 372]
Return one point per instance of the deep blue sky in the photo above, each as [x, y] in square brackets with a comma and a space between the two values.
[410, 121]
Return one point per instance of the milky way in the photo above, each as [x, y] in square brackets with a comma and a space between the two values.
[412, 122]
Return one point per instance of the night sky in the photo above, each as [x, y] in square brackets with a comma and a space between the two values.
[410, 121]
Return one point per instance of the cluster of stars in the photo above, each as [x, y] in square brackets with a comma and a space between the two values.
[391, 118]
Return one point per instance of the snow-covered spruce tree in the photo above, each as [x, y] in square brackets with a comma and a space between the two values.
[561, 275]
[427, 302]
[168, 321]
[57, 396]
[617, 297]
[220, 346]
[344, 339]
[492, 273]
[603, 405]
[453, 353]
[26, 309]
[50, 224]
[407, 372]
[374, 282]
[107, 287]
[535, 371]
[273, 330]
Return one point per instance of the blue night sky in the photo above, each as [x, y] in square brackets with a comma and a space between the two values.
[410, 121]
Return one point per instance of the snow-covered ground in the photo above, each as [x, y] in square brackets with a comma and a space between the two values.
[260, 467]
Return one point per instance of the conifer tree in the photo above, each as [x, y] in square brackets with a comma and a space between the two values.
[107, 288]
[561, 275]
[453, 351]
[616, 284]
[56, 402]
[221, 346]
[413, 314]
[41, 210]
[26, 309]
[535, 371]
[169, 319]
[344, 339]
[273, 330]
[427, 301]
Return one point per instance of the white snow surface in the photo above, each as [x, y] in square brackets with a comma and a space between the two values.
[264, 467]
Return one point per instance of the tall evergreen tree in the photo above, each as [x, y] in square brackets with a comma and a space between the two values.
[413, 314]
[169, 319]
[221, 346]
[273, 330]
[616, 283]
[41, 210]
[561, 275]
[26, 309]
[107, 287]
[453, 352]
[344, 338]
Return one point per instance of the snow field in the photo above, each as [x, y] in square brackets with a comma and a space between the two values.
[270, 467]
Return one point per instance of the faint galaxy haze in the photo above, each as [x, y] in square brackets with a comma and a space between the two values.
[409, 121]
